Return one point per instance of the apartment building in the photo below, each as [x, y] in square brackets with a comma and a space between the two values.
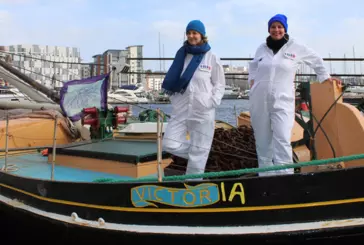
[119, 60]
[45, 63]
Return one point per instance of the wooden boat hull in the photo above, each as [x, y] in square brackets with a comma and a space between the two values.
[300, 207]
[21, 225]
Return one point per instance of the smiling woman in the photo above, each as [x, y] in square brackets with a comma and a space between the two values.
[272, 93]
[196, 85]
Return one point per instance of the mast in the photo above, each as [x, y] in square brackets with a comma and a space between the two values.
[159, 46]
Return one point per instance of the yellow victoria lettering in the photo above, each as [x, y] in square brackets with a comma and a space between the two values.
[205, 194]
[236, 190]
[191, 196]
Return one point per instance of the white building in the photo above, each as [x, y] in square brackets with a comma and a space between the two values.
[118, 58]
[154, 82]
[45, 63]
[135, 51]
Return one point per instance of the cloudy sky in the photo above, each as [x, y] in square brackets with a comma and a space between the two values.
[235, 28]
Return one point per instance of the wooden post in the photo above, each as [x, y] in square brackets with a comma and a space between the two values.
[159, 145]
[130, 111]
[6, 141]
[236, 116]
[54, 147]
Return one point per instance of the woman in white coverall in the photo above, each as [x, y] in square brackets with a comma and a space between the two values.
[272, 92]
[196, 83]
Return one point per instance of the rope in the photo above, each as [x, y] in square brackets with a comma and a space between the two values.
[241, 171]
[9, 168]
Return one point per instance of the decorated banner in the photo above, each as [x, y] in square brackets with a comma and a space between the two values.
[78, 94]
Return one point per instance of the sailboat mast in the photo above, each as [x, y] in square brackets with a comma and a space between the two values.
[159, 46]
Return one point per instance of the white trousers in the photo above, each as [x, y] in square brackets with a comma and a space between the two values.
[197, 148]
[272, 131]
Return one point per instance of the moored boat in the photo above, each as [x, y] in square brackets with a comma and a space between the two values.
[112, 190]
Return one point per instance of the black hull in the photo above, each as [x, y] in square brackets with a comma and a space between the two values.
[19, 225]
[292, 209]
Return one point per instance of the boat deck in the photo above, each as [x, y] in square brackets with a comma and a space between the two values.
[131, 151]
[34, 165]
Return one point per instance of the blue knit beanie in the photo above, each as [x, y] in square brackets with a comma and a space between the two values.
[281, 19]
[196, 25]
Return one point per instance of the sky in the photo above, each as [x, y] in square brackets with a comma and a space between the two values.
[235, 28]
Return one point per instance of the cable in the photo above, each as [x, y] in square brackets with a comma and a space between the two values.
[51, 61]
[323, 131]
[312, 136]
[332, 105]
[10, 168]
[39, 74]
[324, 116]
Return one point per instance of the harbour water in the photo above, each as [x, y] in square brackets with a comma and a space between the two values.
[227, 111]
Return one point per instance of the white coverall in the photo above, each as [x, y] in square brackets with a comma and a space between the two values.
[194, 112]
[272, 100]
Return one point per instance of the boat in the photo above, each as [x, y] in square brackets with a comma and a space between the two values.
[130, 94]
[161, 98]
[244, 95]
[354, 95]
[230, 92]
[10, 93]
[112, 190]
[355, 89]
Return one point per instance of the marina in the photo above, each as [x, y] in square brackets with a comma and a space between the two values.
[116, 150]
[96, 177]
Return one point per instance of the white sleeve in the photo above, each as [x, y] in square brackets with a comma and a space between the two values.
[253, 65]
[313, 60]
[218, 81]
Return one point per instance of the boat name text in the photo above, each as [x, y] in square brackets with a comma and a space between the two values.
[191, 196]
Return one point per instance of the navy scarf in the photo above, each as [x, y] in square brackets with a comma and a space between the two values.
[174, 82]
